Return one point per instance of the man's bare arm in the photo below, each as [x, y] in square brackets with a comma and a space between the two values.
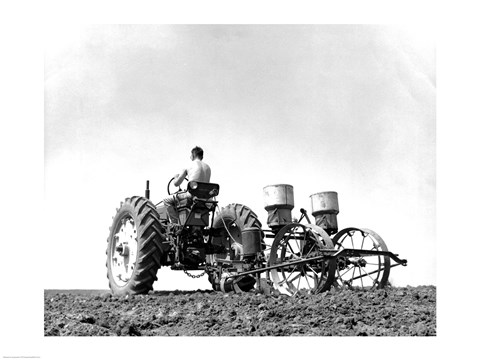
[180, 177]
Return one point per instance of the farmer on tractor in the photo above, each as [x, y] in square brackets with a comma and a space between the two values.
[196, 171]
[228, 244]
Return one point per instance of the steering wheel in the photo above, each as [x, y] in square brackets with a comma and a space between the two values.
[170, 182]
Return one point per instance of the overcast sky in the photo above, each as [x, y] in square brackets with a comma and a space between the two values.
[324, 108]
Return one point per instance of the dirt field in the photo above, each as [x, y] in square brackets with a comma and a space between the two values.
[409, 311]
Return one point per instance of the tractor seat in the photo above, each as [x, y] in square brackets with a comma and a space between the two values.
[196, 204]
[203, 190]
[199, 190]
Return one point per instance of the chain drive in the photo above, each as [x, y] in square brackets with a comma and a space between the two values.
[194, 276]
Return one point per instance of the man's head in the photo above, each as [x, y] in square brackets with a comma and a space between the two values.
[197, 153]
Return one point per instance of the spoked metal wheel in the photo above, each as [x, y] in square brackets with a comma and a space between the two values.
[296, 242]
[365, 271]
[124, 256]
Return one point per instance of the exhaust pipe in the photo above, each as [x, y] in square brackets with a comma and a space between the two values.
[147, 190]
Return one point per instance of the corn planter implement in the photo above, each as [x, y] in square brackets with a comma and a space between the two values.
[230, 247]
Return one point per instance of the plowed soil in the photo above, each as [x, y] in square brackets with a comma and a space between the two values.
[406, 311]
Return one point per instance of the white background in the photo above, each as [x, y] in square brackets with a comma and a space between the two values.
[31, 240]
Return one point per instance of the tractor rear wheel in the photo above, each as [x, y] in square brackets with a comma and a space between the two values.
[135, 247]
[232, 220]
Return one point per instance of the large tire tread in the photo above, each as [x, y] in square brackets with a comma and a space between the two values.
[150, 235]
[240, 214]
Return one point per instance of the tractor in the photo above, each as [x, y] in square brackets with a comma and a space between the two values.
[231, 248]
